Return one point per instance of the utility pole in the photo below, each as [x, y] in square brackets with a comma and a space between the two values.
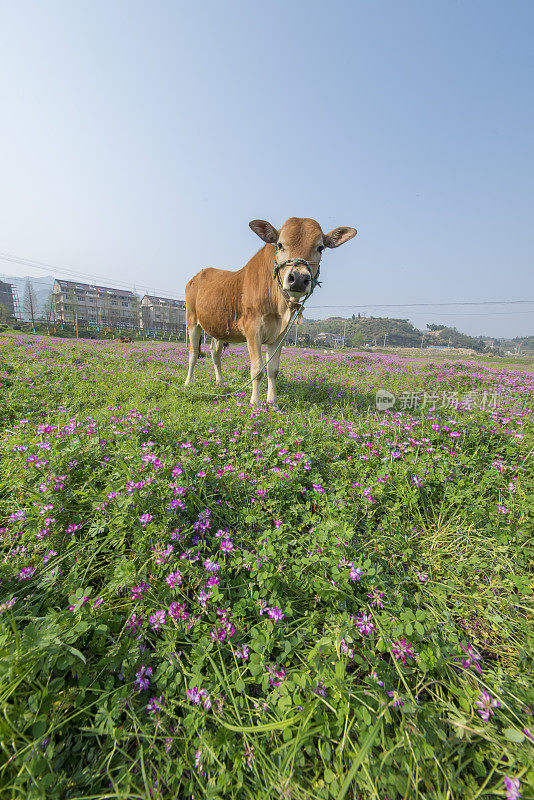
[385, 337]
[76, 318]
[344, 331]
[296, 333]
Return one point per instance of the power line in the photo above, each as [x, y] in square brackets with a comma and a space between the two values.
[9, 257]
[93, 279]
[426, 305]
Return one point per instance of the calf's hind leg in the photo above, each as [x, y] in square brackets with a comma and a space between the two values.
[195, 332]
[216, 350]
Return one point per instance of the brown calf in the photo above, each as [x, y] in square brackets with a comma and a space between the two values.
[255, 304]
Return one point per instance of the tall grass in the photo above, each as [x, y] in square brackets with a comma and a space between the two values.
[322, 601]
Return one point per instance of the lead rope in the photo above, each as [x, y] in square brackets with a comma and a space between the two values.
[238, 391]
[298, 314]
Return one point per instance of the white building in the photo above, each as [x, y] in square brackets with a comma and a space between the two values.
[162, 314]
[95, 305]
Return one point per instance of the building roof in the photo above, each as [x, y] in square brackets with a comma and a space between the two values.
[167, 301]
[76, 285]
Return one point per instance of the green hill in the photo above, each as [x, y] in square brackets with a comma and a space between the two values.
[380, 331]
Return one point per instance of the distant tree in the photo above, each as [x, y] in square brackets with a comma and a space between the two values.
[30, 301]
[4, 313]
[135, 306]
[49, 307]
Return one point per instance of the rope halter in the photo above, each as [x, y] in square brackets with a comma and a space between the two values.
[294, 262]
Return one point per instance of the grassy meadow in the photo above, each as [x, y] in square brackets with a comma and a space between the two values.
[203, 599]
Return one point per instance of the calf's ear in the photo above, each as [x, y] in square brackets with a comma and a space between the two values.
[264, 230]
[338, 236]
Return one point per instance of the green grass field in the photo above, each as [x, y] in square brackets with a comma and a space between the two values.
[203, 599]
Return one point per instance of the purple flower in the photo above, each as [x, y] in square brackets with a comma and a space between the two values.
[144, 519]
[242, 652]
[376, 597]
[365, 624]
[10, 603]
[193, 695]
[161, 556]
[49, 555]
[133, 622]
[157, 619]
[375, 677]
[422, 576]
[396, 699]
[198, 761]
[226, 547]
[349, 651]
[26, 573]
[173, 579]
[400, 650]
[211, 566]
[138, 590]
[276, 673]
[142, 678]
[248, 753]
[203, 597]
[471, 659]
[154, 705]
[72, 528]
[177, 611]
[275, 612]
[512, 788]
[320, 690]
[356, 574]
[486, 705]
[196, 695]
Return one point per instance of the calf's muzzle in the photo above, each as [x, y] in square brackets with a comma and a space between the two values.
[298, 281]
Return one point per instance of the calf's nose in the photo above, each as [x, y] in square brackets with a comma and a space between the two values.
[298, 282]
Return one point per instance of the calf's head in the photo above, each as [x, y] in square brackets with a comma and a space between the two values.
[300, 239]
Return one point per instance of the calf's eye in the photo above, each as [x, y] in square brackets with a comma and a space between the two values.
[280, 246]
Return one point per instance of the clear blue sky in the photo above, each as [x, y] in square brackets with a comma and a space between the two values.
[138, 140]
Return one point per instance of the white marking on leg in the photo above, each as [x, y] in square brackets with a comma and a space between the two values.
[272, 372]
[216, 350]
[195, 332]
[256, 367]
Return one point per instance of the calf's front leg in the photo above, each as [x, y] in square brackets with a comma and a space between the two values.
[273, 364]
[256, 365]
